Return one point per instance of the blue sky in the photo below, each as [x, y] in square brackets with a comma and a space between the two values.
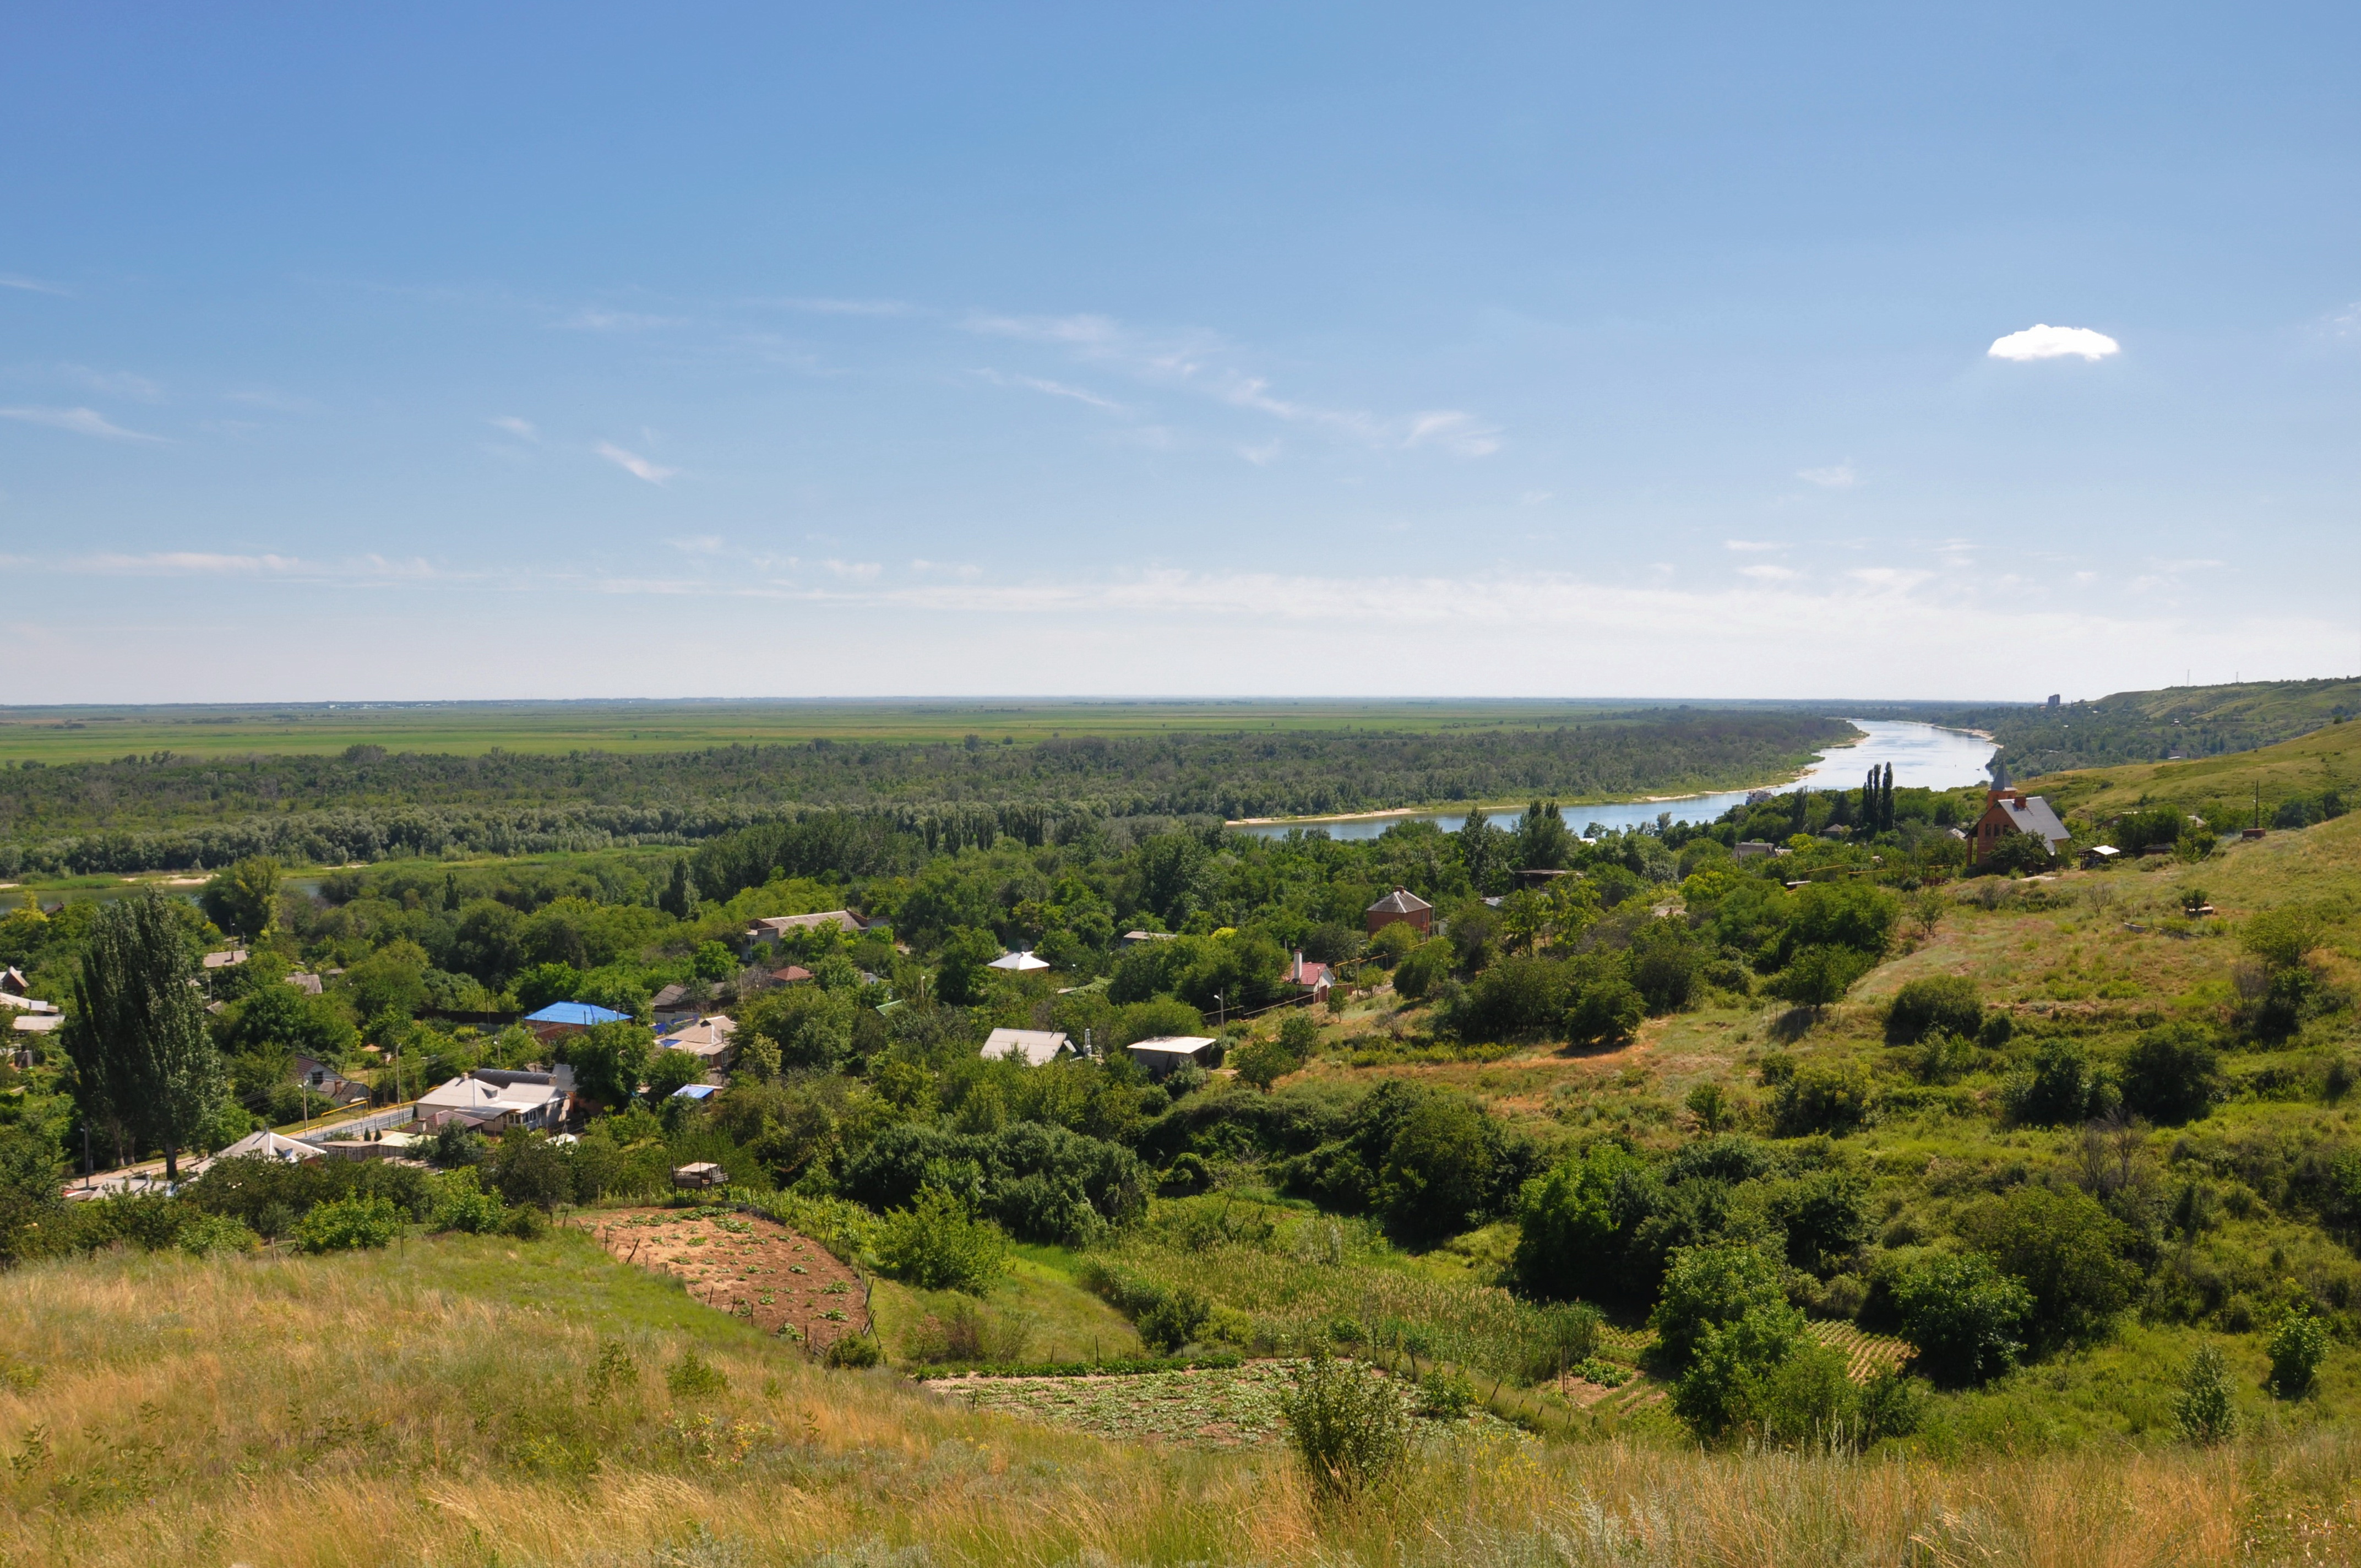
[467, 351]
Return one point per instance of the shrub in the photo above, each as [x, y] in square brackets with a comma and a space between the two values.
[1567, 1234]
[936, 1244]
[1173, 1319]
[1263, 1063]
[2066, 1250]
[2060, 1089]
[1187, 1175]
[1445, 1395]
[693, 1377]
[2281, 937]
[1665, 960]
[1710, 1288]
[462, 1204]
[1819, 976]
[1345, 1424]
[1438, 1173]
[1426, 965]
[2203, 1412]
[1824, 1215]
[853, 1352]
[348, 1225]
[1943, 1002]
[1965, 1318]
[616, 1372]
[2298, 1344]
[1821, 1098]
[205, 1234]
[1605, 1011]
[1724, 1389]
[2171, 1074]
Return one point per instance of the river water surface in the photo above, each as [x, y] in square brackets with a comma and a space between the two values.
[1924, 757]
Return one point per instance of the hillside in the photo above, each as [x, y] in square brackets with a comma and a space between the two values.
[2228, 791]
[2151, 726]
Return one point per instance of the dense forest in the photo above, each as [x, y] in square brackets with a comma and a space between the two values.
[161, 811]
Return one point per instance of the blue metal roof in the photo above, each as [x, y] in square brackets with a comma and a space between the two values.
[696, 1092]
[582, 1013]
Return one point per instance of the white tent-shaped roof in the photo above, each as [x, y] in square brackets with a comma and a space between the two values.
[1018, 964]
[268, 1145]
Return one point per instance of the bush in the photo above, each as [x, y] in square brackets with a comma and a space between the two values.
[2298, 1344]
[462, 1204]
[1821, 1098]
[1263, 1063]
[692, 1376]
[205, 1234]
[2066, 1250]
[1445, 1396]
[1665, 961]
[1710, 1288]
[348, 1225]
[1345, 1424]
[853, 1352]
[936, 1244]
[1437, 1177]
[1567, 1232]
[1965, 1318]
[1173, 1319]
[1725, 1387]
[1946, 1003]
[1819, 976]
[1426, 965]
[2171, 1074]
[1605, 1011]
[2060, 1089]
[2203, 1412]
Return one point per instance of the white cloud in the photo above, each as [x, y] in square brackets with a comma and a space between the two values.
[595, 320]
[1265, 454]
[856, 571]
[1752, 545]
[2045, 342]
[81, 422]
[521, 428]
[1770, 574]
[963, 571]
[847, 307]
[189, 563]
[1836, 477]
[631, 463]
[1458, 434]
[118, 383]
[698, 545]
[1051, 388]
[29, 285]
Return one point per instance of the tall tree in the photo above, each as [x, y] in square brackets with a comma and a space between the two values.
[679, 900]
[137, 1039]
[243, 898]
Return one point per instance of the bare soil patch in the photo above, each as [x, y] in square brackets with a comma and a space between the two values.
[752, 1267]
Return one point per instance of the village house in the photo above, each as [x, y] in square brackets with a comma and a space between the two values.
[672, 1005]
[2010, 811]
[561, 1018]
[318, 1078]
[777, 929]
[707, 1039]
[1404, 907]
[493, 1099]
[1034, 1048]
[1312, 981]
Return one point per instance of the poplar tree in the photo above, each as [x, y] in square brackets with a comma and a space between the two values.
[142, 1058]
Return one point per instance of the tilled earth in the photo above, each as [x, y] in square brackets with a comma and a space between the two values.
[783, 1283]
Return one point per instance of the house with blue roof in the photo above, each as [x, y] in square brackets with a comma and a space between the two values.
[571, 1018]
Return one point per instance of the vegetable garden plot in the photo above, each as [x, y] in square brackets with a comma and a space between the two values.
[755, 1268]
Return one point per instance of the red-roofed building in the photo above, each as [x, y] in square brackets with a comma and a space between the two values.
[1311, 980]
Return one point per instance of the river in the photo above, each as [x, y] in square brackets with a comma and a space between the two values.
[1924, 757]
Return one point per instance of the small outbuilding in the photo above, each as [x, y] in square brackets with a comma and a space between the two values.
[2098, 857]
[1167, 1053]
[1311, 981]
[1403, 906]
[1018, 964]
[1034, 1048]
[702, 1174]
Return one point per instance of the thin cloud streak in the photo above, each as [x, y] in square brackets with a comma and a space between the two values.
[631, 463]
[81, 422]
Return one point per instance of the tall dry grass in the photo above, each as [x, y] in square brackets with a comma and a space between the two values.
[438, 1407]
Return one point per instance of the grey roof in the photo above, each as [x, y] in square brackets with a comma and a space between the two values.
[2032, 815]
[1400, 901]
[1037, 1048]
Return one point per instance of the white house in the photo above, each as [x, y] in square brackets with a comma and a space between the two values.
[1169, 1053]
[494, 1099]
[1034, 1048]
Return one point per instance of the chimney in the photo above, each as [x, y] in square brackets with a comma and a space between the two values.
[1298, 975]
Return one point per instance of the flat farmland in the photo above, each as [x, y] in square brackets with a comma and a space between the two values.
[57, 735]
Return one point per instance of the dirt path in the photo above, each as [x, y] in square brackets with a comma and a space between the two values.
[743, 1263]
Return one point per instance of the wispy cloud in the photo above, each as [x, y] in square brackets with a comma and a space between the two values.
[1834, 477]
[81, 422]
[1767, 573]
[844, 307]
[1460, 434]
[1051, 388]
[699, 544]
[963, 570]
[596, 320]
[631, 463]
[115, 383]
[188, 563]
[29, 285]
[2045, 342]
[1752, 545]
[522, 429]
[854, 571]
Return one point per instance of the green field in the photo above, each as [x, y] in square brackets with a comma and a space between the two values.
[55, 735]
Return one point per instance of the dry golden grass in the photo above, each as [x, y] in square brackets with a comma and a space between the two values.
[436, 1406]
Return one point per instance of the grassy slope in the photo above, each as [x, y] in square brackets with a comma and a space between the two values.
[67, 735]
[435, 1406]
[2143, 726]
[2221, 788]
